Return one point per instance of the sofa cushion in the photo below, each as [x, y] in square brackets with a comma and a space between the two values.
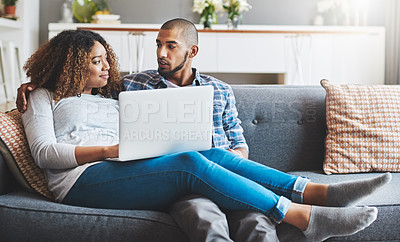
[284, 125]
[15, 150]
[363, 125]
[26, 216]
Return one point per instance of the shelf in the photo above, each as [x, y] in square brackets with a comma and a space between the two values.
[222, 28]
[8, 23]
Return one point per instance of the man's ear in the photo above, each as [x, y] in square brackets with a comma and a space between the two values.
[193, 51]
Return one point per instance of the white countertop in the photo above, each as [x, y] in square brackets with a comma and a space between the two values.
[222, 27]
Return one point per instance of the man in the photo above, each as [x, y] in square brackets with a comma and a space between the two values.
[198, 217]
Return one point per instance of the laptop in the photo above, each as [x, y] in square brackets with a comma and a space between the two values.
[164, 121]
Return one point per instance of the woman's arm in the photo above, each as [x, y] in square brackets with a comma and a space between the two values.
[86, 154]
[38, 123]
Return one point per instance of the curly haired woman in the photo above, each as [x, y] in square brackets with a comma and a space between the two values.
[72, 126]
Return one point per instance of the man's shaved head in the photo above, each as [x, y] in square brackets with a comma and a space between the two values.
[189, 30]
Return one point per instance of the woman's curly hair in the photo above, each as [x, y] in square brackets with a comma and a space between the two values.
[61, 65]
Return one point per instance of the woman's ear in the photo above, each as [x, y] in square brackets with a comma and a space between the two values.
[193, 51]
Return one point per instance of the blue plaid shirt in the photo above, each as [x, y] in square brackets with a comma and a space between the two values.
[227, 132]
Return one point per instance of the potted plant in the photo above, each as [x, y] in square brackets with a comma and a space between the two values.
[234, 8]
[9, 7]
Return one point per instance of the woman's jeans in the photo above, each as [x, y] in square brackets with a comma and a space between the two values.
[232, 182]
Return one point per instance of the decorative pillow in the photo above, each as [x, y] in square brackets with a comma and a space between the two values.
[363, 125]
[15, 150]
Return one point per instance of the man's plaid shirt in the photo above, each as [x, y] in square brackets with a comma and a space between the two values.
[227, 132]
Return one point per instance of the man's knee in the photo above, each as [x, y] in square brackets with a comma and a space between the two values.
[200, 219]
[251, 226]
[198, 209]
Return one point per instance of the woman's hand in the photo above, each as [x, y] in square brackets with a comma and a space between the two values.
[86, 154]
[112, 151]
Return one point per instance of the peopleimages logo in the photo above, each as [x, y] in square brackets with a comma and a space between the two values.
[304, 112]
[165, 135]
[165, 121]
[151, 111]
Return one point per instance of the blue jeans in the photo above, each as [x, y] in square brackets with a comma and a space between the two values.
[232, 182]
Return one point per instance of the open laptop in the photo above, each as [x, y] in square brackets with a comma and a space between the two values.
[164, 121]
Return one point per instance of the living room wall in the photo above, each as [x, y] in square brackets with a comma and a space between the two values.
[264, 12]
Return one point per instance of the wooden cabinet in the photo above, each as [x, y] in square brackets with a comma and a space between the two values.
[343, 58]
[207, 59]
[238, 53]
[359, 57]
[302, 54]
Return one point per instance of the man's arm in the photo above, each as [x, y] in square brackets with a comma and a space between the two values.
[233, 129]
[22, 96]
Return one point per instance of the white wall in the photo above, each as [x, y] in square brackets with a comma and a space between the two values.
[23, 34]
[264, 12]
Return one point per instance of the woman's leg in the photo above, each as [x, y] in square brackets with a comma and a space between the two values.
[299, 189]
[320, 223]
[156, 183]
[343, 194]
[281, 183]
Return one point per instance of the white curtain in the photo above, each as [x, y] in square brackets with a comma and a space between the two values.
[392, 75]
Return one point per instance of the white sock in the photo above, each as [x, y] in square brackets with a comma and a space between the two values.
[327, 222]
[346, 194]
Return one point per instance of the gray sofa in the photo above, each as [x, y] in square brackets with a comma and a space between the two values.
[285, 129]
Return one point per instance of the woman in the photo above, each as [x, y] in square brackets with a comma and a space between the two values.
[72, 126]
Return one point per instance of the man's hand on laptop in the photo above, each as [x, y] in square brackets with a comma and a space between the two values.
[23, 93]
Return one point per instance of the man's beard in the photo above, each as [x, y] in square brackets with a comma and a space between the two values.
[167, 74]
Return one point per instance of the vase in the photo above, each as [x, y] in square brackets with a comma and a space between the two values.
[10, 10]
[233, 22]
[66, 12]
[208, 22]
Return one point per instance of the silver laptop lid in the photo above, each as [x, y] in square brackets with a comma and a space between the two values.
[164, 121]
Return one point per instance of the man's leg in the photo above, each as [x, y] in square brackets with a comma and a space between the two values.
[200, 219]
[248, 226]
